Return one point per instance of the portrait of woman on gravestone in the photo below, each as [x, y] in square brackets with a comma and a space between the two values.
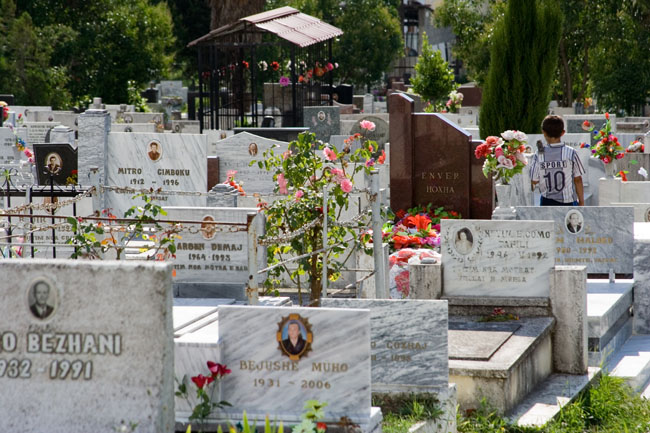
[53, 163]
[154, 151]
[464, 241]
[252, 149]
[41, 299]
[294, 336]
[574, 221]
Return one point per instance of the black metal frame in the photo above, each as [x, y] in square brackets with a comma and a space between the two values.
[229, 91]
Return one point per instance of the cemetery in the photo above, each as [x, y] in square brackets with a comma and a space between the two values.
[271, 246]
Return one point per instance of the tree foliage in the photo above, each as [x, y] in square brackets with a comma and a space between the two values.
[523, 59]
[433, 78]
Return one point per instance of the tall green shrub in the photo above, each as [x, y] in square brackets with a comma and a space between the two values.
[523, 58]
[433, 78]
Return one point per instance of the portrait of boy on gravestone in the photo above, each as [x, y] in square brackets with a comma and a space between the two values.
[574, 221]
[41, 299]
[53, 163]
[155, 151]
[557, 168]
[464, 241]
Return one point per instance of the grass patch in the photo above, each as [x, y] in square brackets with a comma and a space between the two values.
[610, 406]
[402, 411]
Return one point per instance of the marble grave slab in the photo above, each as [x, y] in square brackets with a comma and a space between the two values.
[478, 340]
[602, 237]
[408, 343]
[497, 258]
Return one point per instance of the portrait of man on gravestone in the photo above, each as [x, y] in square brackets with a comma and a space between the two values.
[647, 215]
[41, 299]
[252, 149]
[574, 221]
[464, 241]
[155, 151]
[294, 336]
[53, 163]
[208, 230]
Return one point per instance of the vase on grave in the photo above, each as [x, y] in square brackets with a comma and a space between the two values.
[505, 200]
[611, 169]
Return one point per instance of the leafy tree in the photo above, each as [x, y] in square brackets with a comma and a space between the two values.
[433, 78]
[472, 22]
[523, 59]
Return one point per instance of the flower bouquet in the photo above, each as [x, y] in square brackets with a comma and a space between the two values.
[419, 227]
[454, 102]
[504, 156]
[607, 149]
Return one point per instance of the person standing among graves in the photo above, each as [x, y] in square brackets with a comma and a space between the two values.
[557, 168]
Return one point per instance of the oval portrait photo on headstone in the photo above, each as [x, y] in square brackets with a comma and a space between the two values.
[321, 116]
[154, 150]
[208, 230]
[574, 221]
[252, 149]
[42, 298]
[464, 241]
[294, 336]
[646, 215]
[53, 163]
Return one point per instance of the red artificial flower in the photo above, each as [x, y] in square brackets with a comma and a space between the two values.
[482, 150]
[492, 140]
[620, 155]
[321, 427]
[586, 124]
[382, 157]
[218, 370]
[400, 213]
[200, 381]
[245, 63]
[453, 213]
[301, 79]
[419, 222]
[275, 66]
[623, 176]
[607, 116]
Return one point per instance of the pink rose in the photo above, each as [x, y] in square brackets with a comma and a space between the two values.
[346, 185]
[282, 184]
[607, 159]
[367, 124]
[620, 155]
[498, 152]
[329, 154]
[299, 195]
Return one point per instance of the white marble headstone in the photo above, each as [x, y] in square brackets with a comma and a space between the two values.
[333, 365]
[213, 253]
[236, 153]
[172, 162]
[408, 343]
[497, 258]
[603, 240]
[9, 153]
[87, 360]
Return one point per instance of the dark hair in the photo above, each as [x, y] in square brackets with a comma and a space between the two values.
[553, 126]
[468, 234]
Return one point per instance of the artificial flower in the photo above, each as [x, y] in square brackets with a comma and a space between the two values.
[642, 171]
[367, 124]
[508, 135]
[275, 65]
[370, 162]
[218, 370]
[622, 175]
[200, 381]
[382, 157]
[282, 184]
[284, 81]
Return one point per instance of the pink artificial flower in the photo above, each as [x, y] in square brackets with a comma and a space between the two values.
[282, 184]
[230, 174]
[329, 154]
[367, 124]
[370, 162]
[329, 66]
[505, 162]
[620, 155]
[286, 154]
[346, 185]
[284, 81]
[299, 195]
[498, 152]
[607, 159]
[520, 156]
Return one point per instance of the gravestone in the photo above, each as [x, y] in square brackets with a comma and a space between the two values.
[573, 123]
[9, 153]
[213, 253]
[236, 153]
[270, 376]
[37, 131]
[186, 126]
[497, 258]
[432, 161]
[66, 344]
[94, 126]
[322, 121]
[171, 162]
[632, 163]
[408, 343]
[55, 163]
[62, 134]
[380, 134]
[134, 127]
[600, 238]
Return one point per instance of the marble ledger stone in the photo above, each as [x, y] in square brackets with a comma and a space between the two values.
[497, 258]
[94, 126]
[603, 240]
[89, 357]
[172, 162]
[408, 343]
[322, 121]
[333, 367]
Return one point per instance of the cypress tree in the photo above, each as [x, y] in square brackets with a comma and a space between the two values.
[523, 58]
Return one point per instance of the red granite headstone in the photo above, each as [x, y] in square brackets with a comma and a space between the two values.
[213, 171]
[432, 161]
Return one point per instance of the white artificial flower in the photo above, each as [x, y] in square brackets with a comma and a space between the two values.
[643, 172]
[508, 135]
[505, 163]
[520, 136]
